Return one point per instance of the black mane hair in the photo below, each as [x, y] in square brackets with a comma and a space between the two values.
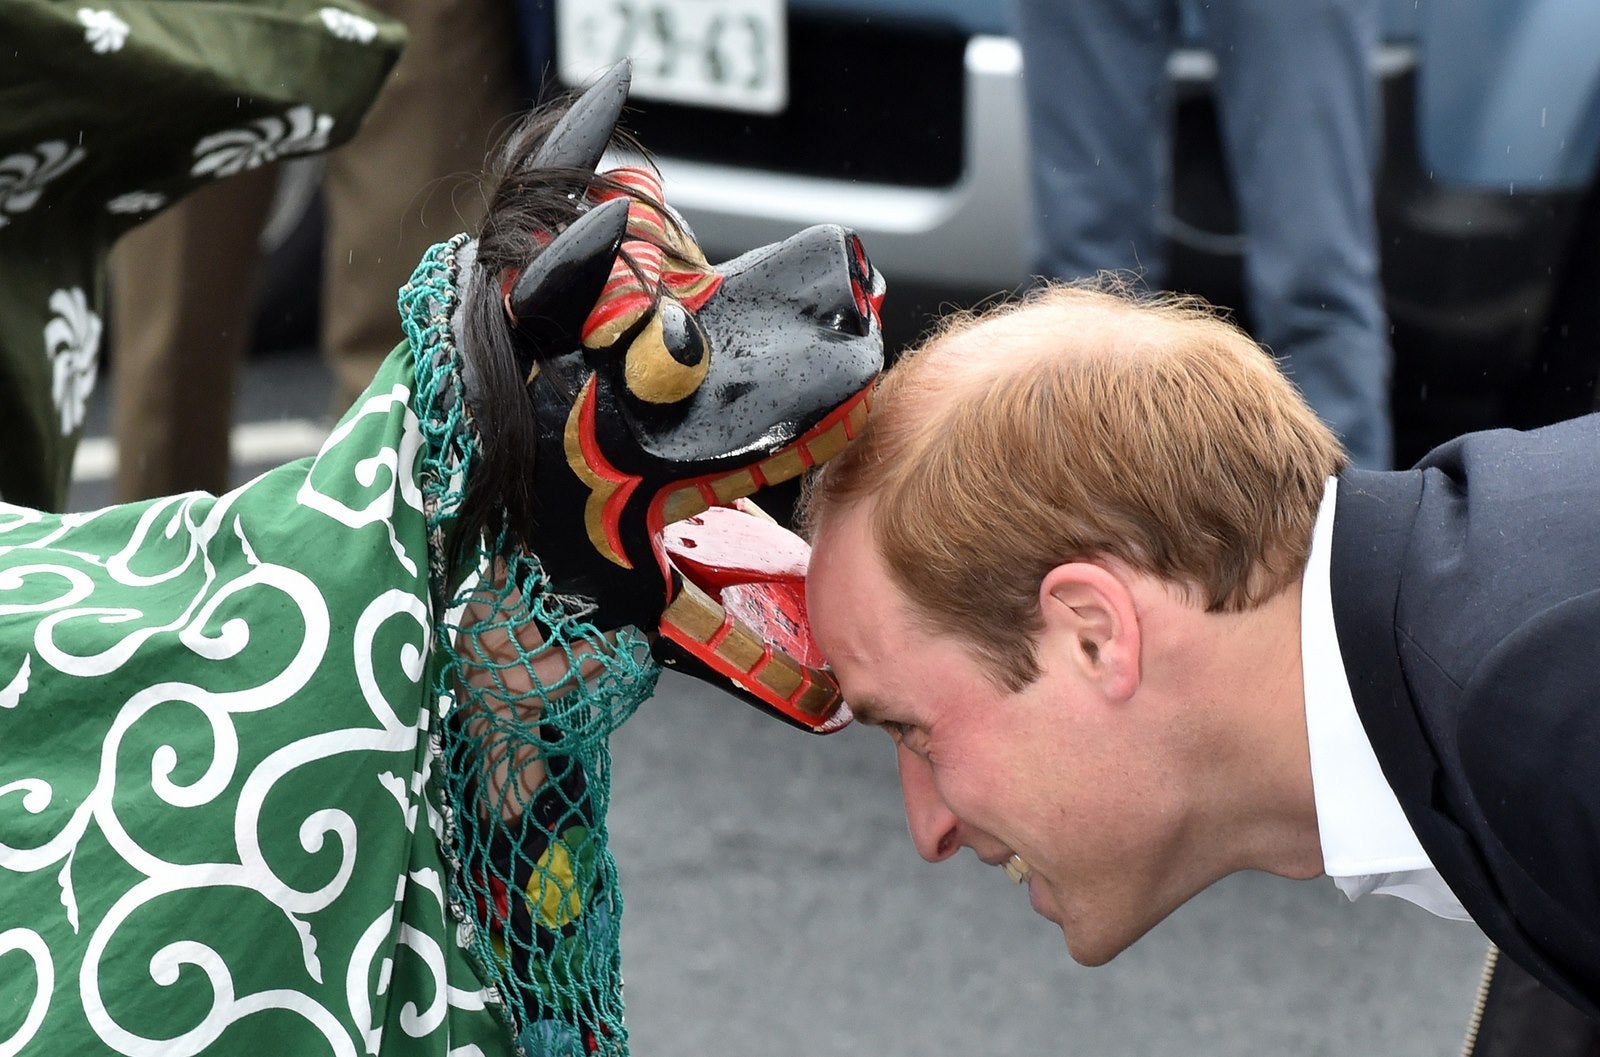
[527, 206]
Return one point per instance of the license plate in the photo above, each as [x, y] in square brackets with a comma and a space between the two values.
[726, 54]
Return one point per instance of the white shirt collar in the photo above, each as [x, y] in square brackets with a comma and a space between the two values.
[1367, 843]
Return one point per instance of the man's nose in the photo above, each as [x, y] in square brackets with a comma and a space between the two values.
[933, 826]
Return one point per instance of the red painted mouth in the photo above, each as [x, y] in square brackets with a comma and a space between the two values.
[737, 605]
[741, 612]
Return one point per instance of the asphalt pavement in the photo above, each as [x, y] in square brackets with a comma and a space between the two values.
[774, 904]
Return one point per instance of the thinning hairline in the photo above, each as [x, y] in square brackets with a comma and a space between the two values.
[1080, 322]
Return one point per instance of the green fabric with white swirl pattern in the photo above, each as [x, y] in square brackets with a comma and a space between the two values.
[244, 792]
[111, 110]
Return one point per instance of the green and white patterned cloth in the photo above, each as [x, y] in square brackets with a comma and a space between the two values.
[232, 785]
[113, 109]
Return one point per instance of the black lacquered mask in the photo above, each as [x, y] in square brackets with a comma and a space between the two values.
[664, 390]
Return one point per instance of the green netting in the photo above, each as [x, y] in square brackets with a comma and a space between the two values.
[529, 693]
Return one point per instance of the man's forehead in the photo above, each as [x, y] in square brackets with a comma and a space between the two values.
[849, 594]
[843, 535]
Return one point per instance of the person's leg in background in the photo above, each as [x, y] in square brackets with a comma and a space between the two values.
[184, 284]
[1298, 100]
[183, 307]
[1099, 116]
[409, 178]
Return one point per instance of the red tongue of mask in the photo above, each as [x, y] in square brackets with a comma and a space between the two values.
[740, 613]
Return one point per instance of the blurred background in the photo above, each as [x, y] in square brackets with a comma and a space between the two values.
[904, 119]
[774, 902]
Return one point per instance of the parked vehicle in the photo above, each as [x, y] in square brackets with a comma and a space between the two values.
[904, 119]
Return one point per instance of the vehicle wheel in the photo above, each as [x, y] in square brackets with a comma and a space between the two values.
[1563, 380]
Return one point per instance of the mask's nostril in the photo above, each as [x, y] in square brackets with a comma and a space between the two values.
[859, 253]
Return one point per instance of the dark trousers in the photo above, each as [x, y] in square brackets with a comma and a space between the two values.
[183, 284]
[1297, 97]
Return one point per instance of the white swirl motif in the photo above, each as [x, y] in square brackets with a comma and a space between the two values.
[399, 462]
[23, 176]
[72, 342]
[104, 31]
[11, 693]
[136, 202]
[32, 944]
[22, 519]
[347, 26]
[166, 965]
[301, 130]
[240, 841]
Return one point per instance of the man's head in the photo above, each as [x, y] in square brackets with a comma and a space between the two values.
[1081, 422]
[1054, 568]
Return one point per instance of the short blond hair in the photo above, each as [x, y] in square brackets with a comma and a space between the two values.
[1081, 421]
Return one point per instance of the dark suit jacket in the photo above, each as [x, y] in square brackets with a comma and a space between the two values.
[1466, 594]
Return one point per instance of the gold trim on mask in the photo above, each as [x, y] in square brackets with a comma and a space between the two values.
[653, 374]
[609, 487]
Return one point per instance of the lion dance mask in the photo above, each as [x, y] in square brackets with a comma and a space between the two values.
[322, 764]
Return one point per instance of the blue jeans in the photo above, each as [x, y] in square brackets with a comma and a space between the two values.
[1299, 108]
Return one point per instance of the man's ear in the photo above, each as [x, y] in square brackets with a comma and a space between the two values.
[1088, 612]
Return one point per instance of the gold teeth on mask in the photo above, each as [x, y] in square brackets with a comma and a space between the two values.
[821, 444]
[696, 614]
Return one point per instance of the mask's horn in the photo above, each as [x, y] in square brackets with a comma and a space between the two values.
[557, 290]
[580, 138]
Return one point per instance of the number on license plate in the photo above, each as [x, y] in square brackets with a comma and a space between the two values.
[728, 54]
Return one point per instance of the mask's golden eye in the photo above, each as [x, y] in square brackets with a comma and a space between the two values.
[668, 360]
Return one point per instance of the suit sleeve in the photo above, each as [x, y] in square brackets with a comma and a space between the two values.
[1529, 744]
